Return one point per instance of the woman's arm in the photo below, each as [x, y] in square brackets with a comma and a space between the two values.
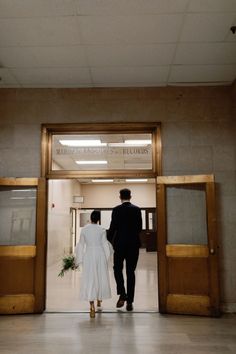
[79, 250]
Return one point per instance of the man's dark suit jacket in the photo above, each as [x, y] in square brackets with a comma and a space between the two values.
[126, 224]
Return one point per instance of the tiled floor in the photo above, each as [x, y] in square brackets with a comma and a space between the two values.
[63, 293]
[117, 333]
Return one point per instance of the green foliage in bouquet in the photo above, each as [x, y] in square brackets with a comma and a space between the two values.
[68, 262]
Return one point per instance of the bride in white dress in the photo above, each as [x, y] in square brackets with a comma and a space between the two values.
[92, 253]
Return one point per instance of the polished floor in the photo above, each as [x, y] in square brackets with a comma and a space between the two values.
[63, 293]
[116, 333]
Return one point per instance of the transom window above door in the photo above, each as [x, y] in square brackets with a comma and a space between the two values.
[102, 152]
[101, 149]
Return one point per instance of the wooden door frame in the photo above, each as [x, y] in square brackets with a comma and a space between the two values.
[47, 130]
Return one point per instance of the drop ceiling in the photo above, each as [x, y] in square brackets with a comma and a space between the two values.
[116, 43]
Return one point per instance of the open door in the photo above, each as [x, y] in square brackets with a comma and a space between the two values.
[187, 245]
[22, 245]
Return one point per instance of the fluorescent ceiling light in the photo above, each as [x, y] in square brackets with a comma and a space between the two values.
[131, 143]
[23, 197]
[102, 180]
[82, 143]
[138, 142]
[136, 180]
[98, 162]
[23, 190]
[117, 144]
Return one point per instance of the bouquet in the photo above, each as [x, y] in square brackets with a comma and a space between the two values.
[68, 262]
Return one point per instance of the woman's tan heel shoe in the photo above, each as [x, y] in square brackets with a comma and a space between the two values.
[99, 305]
[92, 312]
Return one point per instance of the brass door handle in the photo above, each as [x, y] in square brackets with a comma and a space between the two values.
[212, 251]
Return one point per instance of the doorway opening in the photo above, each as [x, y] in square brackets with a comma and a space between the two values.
[70, 202]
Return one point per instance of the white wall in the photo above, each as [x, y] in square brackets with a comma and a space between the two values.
[107, 196]
[59, 218]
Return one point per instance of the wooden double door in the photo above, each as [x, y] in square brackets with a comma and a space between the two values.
[186, 241]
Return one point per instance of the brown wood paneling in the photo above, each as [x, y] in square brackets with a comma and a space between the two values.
[16, 275]
[188, 304]
[41, 244]
[214, 250]
[187, 251]
[185, 179]
[188, 276]
[18, 182]
[162, 259]
[101, 174]
[14, 304]
[17, 251]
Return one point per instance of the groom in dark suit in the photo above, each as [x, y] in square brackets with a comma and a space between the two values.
[126, 224]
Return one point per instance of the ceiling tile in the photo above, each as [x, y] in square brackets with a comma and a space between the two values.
[202, 73]
[39, 31]
[131, 7]
[211, 5]
[6, 78]
[206, 53]
[206, 27]
[36, 8]
[23, 57]
[130, 29]
[130, 55]
[43, 76]
[131, 75]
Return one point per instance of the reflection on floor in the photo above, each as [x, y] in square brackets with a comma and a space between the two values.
[63, 293]
[117, 333]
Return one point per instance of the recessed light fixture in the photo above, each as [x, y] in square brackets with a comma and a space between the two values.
[136, 180]
[131, 143]
[98, 162]
[102, 180]
[138, 142]
[82, 143]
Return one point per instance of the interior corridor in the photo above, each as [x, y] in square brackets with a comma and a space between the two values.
[63, 293]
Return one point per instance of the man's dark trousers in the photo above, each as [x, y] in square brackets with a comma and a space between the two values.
[130, 256]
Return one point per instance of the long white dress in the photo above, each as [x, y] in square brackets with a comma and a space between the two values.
[92, 253]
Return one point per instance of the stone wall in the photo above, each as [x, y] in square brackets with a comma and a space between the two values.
[198, 137]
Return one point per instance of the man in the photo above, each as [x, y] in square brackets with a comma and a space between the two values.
[126, 224]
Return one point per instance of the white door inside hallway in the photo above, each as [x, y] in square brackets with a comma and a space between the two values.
[63, 293]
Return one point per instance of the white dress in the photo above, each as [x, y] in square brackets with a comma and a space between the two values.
[93, 252]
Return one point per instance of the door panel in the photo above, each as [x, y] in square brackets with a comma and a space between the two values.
[22, 245]
[187, 243]
[151, 233]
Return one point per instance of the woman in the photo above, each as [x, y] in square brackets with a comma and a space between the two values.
[93, 252]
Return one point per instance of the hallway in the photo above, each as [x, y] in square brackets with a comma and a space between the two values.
[117, 333]
[63, 293]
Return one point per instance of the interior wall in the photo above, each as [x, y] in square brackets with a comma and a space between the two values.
[107, 196]
[60, 200]
[198, 137]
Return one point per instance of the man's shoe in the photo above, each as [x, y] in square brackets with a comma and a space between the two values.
[129, 307]
[121, 301]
